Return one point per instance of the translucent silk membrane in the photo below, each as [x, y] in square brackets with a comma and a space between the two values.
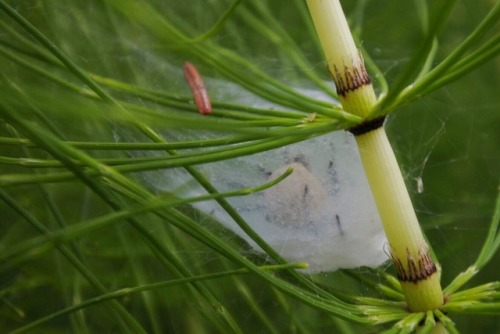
[323, 213]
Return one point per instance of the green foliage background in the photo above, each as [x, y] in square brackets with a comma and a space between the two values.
[449, 139]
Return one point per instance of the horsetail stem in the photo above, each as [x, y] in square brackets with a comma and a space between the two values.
[417, 272]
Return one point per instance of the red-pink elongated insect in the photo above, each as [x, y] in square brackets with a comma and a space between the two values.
[198, 89]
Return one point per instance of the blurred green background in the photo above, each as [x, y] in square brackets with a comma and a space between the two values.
[449, 140]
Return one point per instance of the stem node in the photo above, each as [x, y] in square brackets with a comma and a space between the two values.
[417, 272]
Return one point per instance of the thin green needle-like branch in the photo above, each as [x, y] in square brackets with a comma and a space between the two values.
[215, 29]
[148, 287]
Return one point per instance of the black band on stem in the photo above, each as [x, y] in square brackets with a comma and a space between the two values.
[366, 127]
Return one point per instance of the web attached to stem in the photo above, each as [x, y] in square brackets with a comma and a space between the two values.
[446, 144]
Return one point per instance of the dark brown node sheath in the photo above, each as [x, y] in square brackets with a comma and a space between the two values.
[351, 78]
[416, 270]
[367, 126]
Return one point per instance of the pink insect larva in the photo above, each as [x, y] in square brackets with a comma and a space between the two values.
[198, 89]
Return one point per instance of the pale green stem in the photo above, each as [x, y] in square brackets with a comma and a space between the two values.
[409, 251]
[417, 272]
